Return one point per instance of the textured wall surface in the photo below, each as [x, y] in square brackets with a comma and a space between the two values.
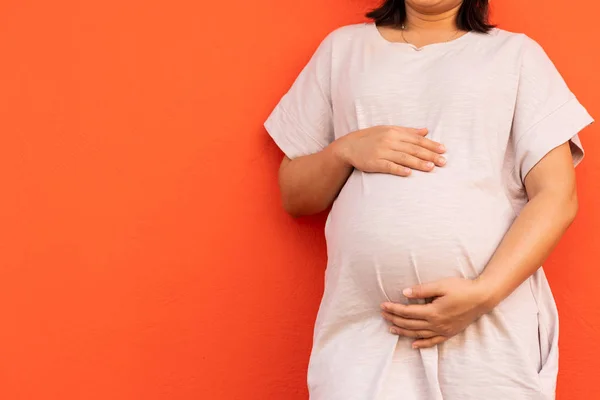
[143, 251]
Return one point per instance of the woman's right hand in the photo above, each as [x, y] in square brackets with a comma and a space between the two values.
[391, 150]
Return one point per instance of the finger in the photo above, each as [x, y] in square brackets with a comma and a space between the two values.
[421, 334]
[406, 323]
[421, 153]
[421, 141]
[425, 290]
[415, 131]
[430, 342]
[409, 161]
[389, 167]
[411, 311]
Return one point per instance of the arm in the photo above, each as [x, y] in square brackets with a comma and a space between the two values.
[551, 208]
[317, 165]
[546, 121]
[536, 231]
[310, 184]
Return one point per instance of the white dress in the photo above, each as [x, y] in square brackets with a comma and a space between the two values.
[499, 105]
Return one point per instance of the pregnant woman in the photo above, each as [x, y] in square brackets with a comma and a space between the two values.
[446, 148]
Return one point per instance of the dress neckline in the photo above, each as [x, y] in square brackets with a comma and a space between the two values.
[429, 47]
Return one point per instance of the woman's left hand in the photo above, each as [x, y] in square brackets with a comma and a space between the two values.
[456, 304]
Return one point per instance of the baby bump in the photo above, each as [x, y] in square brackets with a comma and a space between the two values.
[395, 232]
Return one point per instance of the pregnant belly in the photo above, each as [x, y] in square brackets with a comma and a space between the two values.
[386, 233]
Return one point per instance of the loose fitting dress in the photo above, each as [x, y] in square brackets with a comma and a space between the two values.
[498, 104]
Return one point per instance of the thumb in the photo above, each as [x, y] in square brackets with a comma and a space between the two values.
[424, 291]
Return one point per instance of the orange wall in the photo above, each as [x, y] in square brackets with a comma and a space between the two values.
[143, 251]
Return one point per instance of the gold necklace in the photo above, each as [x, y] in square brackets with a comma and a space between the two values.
[403, 28]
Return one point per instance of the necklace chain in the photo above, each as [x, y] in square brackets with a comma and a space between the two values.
[403, 28]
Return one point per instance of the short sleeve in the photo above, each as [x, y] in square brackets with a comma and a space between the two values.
[547, 113]
[302, 122]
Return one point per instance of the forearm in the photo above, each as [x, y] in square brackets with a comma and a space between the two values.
[528, 243]
[310, 184]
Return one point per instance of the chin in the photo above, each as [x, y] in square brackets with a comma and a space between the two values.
[433, 6]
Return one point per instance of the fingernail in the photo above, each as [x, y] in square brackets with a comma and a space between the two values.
[442, 147]
[393, 331]
[383, 307]
[442, 161]
[407, 171]
[429, 165]
[414, 346]
[407, 292]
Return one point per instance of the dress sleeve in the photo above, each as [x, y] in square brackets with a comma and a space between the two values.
[302, 122]
[547, 113]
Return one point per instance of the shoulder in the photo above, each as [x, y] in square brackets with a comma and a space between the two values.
[347, 32]
[344, 36]
[341, 41]
[515, 40]
[536, 71]
[507, 45]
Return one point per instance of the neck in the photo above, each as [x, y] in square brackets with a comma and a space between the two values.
[421, 20]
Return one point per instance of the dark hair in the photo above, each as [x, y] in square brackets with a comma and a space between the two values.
[472, 16]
